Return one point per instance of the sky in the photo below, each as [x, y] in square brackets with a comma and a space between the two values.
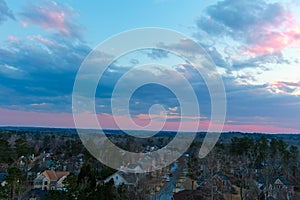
[254, 43]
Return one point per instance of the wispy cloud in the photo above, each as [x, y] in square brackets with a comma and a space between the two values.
[12, 72]
[5, 12]
[282, 87]
[51, 15]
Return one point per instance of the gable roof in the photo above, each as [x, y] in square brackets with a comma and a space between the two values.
[55, 176]
[222, 176]
[61, 174]
[283, 180]
[130, 178]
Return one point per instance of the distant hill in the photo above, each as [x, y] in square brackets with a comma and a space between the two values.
[292, 139]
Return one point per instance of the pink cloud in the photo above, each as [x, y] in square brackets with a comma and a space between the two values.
[55, 20]
[41, 40]
[52, 16]
[13, 38]
[284, 87]
[274, 37]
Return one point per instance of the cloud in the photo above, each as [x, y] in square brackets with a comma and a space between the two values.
[258, 104]
[283, 87]
[249, 39]
[261, 28]
[5, 12]
[40, 69]
[49, 54]
[12, 72]
[13, 38]
[51, 15]
[147, 95]
[158, 54]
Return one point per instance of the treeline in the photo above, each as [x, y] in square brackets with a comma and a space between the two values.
[10, 152]
[263, 150]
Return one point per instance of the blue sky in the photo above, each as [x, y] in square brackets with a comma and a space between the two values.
[253, 43]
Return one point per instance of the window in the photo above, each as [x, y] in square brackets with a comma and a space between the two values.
[39, 183]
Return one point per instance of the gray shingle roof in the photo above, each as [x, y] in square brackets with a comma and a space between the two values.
[3, 176]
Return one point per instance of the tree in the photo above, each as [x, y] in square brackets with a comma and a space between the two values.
[14, 182]
[262, 149]
[5, 152]
[193, 168]
[274, 144]
[86, 177]
[241, 146]
[109, 190]
[4, 192]
[55, 194]
[294, 152]
[71, 186]
[22, 147]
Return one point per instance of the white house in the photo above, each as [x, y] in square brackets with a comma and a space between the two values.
[122, 178]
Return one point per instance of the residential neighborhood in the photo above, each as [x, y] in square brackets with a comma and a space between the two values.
[150, 100]
[241, 166]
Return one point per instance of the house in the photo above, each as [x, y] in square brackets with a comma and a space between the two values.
[219, 181]
[121, 177]
[3, 167]
[222, 182]
[50, 180]
[281, 188]
[2, 179]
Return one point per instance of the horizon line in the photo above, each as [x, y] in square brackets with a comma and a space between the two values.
[114, 129]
